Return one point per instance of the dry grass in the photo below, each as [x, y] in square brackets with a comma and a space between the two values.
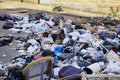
[78, 7]
[18, 4]
[101, 7]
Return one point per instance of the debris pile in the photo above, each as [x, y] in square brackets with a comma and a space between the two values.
[74, 48]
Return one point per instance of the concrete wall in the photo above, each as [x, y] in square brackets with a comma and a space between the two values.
[109, 1]
[45, 1]
[93, 1]
[41, 1]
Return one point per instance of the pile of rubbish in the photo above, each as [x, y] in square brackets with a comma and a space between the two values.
[74, 48]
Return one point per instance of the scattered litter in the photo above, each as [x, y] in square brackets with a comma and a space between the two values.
[73, 48]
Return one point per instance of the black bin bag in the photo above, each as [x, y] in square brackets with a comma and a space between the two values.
[38, 16]
[8, 25]
[5, 40]
[15, 74]
[3, 16]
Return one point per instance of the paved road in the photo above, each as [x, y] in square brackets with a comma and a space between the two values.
[6, 52]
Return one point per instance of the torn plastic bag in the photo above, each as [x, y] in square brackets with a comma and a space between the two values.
[65, 40]
[58, 50]
[75, 33]
[118, 29]
[32, 41]
[27, 45]
[83, 63]
[64, 56]
[32, 48]
[45, 16]
[30, 17]
[103, 59]
[68, 27]
[32, 22]
[14, 17]
[41, 29]
[56, 21]
[105, 35]
[68, 49]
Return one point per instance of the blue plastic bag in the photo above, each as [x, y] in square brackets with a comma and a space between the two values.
[58, 50]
